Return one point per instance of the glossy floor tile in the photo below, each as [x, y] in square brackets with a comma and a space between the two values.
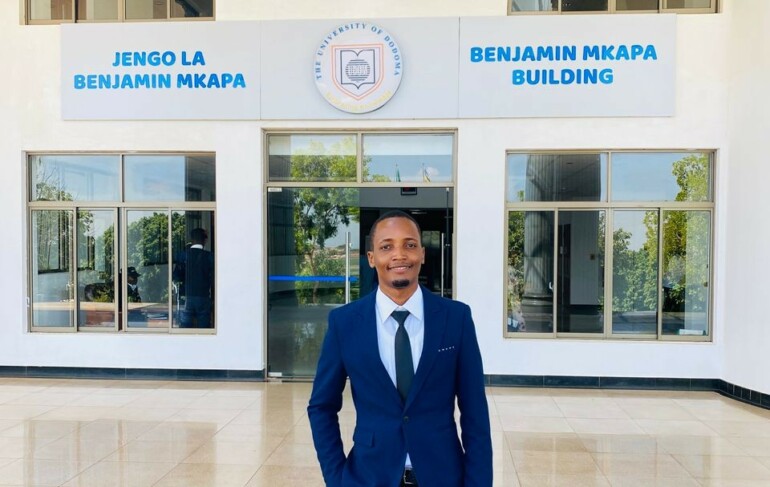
[101, 433]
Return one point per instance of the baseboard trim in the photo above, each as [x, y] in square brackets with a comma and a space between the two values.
[748, 396]
[135, 374]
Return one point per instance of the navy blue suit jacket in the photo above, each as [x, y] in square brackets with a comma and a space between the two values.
[386, 429]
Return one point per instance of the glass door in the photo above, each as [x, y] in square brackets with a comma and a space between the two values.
[317, 243]
[314, 262]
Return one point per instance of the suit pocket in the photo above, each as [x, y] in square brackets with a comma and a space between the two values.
[363, 437]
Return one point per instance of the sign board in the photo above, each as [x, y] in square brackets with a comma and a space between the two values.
[160, 71]
[567, 66]
[443, 68]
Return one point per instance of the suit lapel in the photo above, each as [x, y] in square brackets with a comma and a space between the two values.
[370, 342]
[435, 325]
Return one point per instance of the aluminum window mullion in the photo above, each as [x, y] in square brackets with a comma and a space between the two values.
[359, 158]
[169, 257]
[73, 234]
[659, 291]
[554, 273]
[609, 222]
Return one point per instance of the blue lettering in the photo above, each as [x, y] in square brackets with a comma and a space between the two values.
[590, 52]
[79, 82]
[517, 77]
[197, 59]
[142, 80]
[545, 52]
[622, 53]
[476, 54]
[168, 58]
[184, 80]
[649, 53]
[605, 76]
[154, 58]
[239, 81]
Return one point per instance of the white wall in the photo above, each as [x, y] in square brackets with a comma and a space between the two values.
[30, 121]
[747, 230]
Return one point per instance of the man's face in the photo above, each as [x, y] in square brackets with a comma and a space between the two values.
[397, 255]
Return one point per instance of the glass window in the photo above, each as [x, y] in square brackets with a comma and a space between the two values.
[530, 272]
[74, 178]
[312, 157]
[417, 158]
[580, 272]
[52, 271]
[192, 8]
[192, 274]
[635, 272]
[97, 10]
[50, 9]
[557, 177]
[147, 272]
[146, 9]
[96, 269]
[636, 5]
[170, 178]
[650, 176]
[683, 4]
[534, 5]
[686, 272]
[131, 264]
[660, 245]
[583, 5]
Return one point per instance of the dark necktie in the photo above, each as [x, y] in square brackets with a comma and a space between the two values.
[404, 363]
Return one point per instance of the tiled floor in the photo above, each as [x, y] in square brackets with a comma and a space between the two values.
[80, 433]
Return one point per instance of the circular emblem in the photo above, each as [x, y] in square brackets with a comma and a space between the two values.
[358, 67]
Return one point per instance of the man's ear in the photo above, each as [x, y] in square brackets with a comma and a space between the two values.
[370, 257]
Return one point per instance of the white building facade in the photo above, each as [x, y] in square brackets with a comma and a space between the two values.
[600, 212]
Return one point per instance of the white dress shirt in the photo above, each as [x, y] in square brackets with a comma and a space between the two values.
[386, 332]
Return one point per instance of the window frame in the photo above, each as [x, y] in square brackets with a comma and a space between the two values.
[26, 12]
[610, 207]
[612, 9]
[120, 207]
[359, 180]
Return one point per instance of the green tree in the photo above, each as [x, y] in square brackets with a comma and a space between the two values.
[319, 212]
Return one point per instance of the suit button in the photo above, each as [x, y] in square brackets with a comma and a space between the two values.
[406, 419]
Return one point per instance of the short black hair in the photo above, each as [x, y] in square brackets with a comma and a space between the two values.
[394, 214]
[198, 235]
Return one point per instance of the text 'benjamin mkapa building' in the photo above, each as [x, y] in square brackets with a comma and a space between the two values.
[588, 176]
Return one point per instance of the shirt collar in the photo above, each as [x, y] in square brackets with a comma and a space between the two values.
[386, 306]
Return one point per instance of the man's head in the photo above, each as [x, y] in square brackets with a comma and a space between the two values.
[132, 275]
[199, 236]
[397, 254]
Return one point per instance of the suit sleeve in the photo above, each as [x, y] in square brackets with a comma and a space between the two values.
[474, 411]
[325, 404]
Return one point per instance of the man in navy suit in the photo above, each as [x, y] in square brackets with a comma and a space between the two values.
[405, 433]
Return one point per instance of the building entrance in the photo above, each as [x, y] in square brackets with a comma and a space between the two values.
[317, 243]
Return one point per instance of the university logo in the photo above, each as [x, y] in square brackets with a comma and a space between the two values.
[358, 67]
